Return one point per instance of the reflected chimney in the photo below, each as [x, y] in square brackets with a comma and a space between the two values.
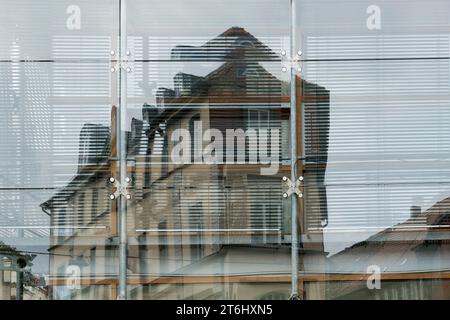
[415, 211]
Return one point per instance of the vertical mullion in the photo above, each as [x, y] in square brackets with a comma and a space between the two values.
[121, 147]
[294, 155]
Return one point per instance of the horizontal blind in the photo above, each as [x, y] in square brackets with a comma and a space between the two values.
[379, 148]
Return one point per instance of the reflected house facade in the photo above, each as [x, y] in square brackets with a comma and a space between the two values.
[412, 256]
[373, 124]
[196, 230]
[16, 280]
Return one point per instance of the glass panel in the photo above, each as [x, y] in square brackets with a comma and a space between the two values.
[57, 221]
[200, 291]
[205, 88]
[58, 30]
[214, 209]
[416, 288]
[55, 121]
[375, 147]
[362, 29]
[207, 30]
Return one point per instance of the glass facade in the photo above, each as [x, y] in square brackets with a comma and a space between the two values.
[225, 149]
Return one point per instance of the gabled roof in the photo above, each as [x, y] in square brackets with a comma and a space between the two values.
[230, 45]
[403, 247]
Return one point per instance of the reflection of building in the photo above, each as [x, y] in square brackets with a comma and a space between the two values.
[94, 144]
[16, 281]
[195, 230]
[413, 258]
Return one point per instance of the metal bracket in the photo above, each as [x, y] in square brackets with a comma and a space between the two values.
[294, 297]
[121, 188]
[122, 64]
[292, 63]
[293, 187]
[126, 66]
